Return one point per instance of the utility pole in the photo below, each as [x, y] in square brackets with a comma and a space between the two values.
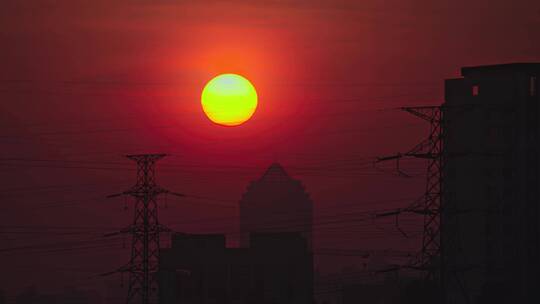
[145, 230]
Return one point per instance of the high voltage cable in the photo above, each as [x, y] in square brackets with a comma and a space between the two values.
[214, 219]
[338, 165]
[54, 187]
[174, 83]
[306, 172]
[301, 170]
[122, 130]
[64, 229]
[104, 244]
[364, 161]
[366, 216]
[58, 244]
[299, 212]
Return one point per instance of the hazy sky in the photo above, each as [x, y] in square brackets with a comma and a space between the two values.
[84, 82]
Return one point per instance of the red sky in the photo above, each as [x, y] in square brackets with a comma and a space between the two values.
[89, 81]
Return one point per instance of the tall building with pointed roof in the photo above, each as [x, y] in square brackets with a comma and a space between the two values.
[275, 202]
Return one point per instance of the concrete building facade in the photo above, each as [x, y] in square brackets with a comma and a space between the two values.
[275, 202]
[277, 268]
[491, 222]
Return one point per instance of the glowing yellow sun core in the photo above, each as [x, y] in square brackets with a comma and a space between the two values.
[229, 100]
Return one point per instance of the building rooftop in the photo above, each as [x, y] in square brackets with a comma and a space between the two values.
[517, 67]
[275, 172]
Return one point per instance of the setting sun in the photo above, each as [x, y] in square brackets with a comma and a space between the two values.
[229, 100]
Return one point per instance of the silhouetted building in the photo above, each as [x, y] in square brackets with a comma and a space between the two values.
[353, 285]
[276, 268]
[70, 295]
[491, 224]
[275, 203]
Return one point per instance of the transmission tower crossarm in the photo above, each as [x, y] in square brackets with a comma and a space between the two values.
[393, 268]
[122, 231]
[389, 213]
[105, 274]
[175, 194]
[390, 157]
[427, 113]
[155, 156]
[421, 150]
[115, 195]
[119, 270]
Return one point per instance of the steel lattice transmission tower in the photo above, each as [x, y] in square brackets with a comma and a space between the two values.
[440, 239]
[145, 231]
[429, 205]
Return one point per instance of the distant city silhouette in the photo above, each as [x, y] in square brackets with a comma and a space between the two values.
[273, 265]
[482, 229]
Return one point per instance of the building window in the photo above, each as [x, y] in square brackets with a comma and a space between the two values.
[532, 86]
[475, 90]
